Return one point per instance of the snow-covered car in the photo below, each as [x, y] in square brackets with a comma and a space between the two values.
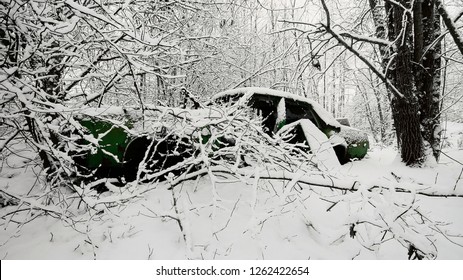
[117, 145]
[281, 110]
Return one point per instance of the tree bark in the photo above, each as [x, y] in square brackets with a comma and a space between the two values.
[428, 63]
[405, 110]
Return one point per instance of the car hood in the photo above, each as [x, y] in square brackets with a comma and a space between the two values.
[352, 135]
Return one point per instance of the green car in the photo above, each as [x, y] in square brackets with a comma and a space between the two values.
[118, 153]
[279, 109]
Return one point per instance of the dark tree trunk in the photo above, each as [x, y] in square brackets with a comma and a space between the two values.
[415, 72]
[405, 110]
[428, 63]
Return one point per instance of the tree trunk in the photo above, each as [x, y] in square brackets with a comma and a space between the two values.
[379, 101]
[333, 94]
[369, 115]
[405, 111]
[428, 63]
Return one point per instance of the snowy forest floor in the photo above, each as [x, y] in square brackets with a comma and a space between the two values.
[237, 220]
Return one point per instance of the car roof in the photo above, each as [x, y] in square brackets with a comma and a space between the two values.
[321, 112]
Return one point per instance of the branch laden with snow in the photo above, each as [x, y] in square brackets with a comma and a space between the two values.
[450, 24]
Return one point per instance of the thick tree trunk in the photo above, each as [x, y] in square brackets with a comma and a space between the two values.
[380, 25]
[428, 63]
[405, 110]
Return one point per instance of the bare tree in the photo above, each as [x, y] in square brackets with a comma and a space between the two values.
[407, 35]
[59, 57]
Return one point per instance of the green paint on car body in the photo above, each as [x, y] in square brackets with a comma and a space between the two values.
[357, 150]
[112, 142]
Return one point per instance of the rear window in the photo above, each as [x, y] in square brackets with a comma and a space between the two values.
[296, 110]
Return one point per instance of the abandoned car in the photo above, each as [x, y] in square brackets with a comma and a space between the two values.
[279, 108]
[117, 152]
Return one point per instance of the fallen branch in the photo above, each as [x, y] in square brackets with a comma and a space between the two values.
[311, 179]
[33, 204]
[4, 143]
[7, 199]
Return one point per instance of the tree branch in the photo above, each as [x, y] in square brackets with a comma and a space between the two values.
[341, 41]
[367, 39]
[8, 140]
[457, 37]
[311, 179]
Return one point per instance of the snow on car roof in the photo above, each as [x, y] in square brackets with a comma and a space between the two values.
[321, 112]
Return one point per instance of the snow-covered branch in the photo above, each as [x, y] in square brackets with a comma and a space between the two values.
[368, 39]
[318, 179]
[346, 45]
[450, 24]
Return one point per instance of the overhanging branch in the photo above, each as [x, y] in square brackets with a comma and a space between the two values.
[449, 23]
[341, 41]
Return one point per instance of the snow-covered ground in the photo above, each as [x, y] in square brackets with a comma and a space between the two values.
[250, 219]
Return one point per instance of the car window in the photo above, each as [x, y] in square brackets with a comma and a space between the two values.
[228, 99]
[266, 107]
[298, 136]
[296, 110]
